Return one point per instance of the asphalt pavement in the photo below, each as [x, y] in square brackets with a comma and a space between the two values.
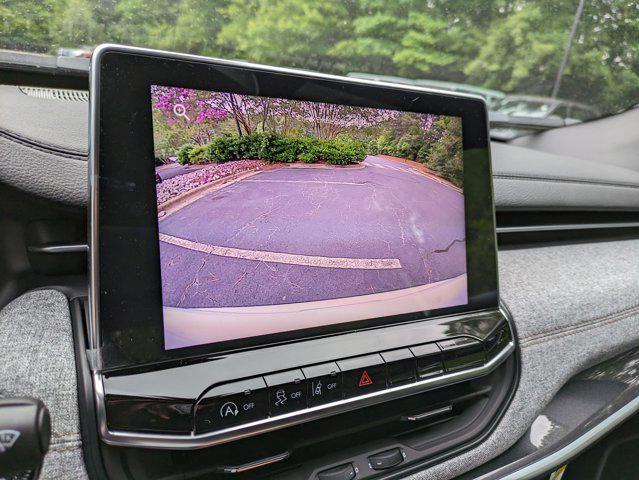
[292, 234]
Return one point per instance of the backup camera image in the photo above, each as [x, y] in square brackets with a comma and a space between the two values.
[278, 215]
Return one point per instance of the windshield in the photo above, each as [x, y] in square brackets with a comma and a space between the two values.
[580, 51]
[524, 108]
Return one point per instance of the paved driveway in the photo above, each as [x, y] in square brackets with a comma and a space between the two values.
[292, 235]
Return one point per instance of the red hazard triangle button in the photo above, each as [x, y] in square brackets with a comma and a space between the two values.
[365, 379]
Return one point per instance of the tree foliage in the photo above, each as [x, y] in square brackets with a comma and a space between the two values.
[200, 127]
[510, 45]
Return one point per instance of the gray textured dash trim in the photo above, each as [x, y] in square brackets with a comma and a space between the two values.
[541, 178]
[43, 147]
[582, 311]
[43, 174]
[580, 298]
[38, 361]
[530, 179]
[555, 288]
[573, 448]
[56, 123]
[545, 369]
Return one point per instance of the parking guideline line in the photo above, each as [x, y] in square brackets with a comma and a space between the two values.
[288, 258]
[306, 181]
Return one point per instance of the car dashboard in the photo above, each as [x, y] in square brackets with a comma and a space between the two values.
[553, 376]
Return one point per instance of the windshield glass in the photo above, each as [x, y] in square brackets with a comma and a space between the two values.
[528, 109]
[580, 51]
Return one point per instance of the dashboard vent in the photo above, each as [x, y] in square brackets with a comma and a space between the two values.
[56, 94]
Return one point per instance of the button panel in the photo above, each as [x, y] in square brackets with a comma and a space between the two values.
[280, 393]
[497, 341]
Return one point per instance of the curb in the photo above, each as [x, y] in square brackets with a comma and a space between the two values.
[174, 204]
[423, 169]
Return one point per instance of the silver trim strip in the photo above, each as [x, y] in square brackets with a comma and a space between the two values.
[70, 248]
[193, 441]
[567, 226]
[256, 464]
[93, 327]
[563, 455]
[427, 415]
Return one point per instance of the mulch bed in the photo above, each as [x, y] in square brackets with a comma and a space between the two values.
[183, 183]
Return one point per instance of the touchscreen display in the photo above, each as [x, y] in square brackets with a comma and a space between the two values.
[278, 215]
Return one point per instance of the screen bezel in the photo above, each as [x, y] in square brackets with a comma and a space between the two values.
[126, 299]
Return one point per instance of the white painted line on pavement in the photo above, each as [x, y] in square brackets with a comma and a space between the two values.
[306, 181]
[288, 258]
[391, 167]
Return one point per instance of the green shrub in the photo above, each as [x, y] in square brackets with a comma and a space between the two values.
[339, 151]
[409, 145]
[183, 153]
[221, 149]
[197, 155]
[423, 153]
[265, 146]
[402, 148]
[284, 149]
[384, 144]
[248, 146]
[275, 148]
[308, 157]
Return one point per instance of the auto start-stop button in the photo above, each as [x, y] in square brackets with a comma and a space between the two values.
[232, 404]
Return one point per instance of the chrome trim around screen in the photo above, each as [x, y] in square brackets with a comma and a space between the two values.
[93, 323]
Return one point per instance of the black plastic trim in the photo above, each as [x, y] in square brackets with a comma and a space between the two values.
[88, 419]
[92, 447]
[516, 356]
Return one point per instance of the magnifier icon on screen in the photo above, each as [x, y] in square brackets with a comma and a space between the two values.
[180, 111]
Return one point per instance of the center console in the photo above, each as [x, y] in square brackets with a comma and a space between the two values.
[293, 275]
